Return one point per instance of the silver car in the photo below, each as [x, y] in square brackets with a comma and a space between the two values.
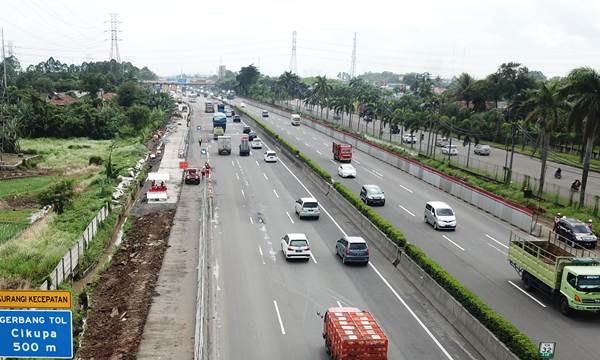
[484, 150]
[307, 207]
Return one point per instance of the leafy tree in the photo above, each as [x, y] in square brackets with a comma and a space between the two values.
[138, 116]
[461, 88]
[582, 91]
[128, 93]
[92, 83]
[59, 195]
[247, 77]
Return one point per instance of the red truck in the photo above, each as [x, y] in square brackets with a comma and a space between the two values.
[353, 334]
[342, 152]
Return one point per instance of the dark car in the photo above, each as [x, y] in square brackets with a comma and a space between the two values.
[251, 135]
[192, 176]
[573, 231]
[372, 195]
[237, 118]
[352, 249]
[246, 130]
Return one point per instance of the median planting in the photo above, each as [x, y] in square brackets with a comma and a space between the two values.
[506, 332]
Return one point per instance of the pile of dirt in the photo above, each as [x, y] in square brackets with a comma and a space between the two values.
[121, 301]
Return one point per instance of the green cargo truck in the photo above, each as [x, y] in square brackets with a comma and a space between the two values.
[569, 274]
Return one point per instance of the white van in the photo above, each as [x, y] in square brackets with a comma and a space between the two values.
[295, 120]
[440, 215]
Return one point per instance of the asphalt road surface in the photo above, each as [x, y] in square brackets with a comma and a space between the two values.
[476, 253]
[269, 308]
[522, 164]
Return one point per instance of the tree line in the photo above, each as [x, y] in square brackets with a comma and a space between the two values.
[511, 105]
[25, 111]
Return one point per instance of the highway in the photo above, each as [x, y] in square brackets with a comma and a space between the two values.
[268, 308]
[476, 253]
[522, 164]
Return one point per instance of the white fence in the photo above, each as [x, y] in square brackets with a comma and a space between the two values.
[69, 262]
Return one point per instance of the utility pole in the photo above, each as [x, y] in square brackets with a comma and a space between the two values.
[293, 60]
[114, 38]
[353, 66]
[4, 81]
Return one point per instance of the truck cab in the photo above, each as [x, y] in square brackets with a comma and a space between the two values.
[580, 285]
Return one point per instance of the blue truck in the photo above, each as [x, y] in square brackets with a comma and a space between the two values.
[221, 108]
[220, 120]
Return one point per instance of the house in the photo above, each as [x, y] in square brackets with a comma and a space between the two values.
[60, 99]
[108, 96]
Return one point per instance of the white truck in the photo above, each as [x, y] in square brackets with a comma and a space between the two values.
[295, 120]
[224, 143]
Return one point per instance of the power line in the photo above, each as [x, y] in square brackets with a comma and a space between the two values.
[293, 60]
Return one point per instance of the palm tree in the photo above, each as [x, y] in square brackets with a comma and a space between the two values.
[321, 91]
[471, 128]
[544, 105]
[582, 91]
[461, 88]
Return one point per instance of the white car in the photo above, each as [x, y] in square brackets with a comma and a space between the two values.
[450, 150]
[295, 120]
[409, 139]
[484, 150]
[256, 143]
[265, 113]
[242, 105]
[346, 170]
[295, 245]
[440, 215]
[307, 207]
[270, 156]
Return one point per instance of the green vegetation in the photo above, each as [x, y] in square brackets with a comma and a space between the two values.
[17, 187]
[511, 336]
[510, 105]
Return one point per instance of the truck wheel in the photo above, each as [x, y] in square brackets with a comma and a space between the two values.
[526, 281]
[564, 306]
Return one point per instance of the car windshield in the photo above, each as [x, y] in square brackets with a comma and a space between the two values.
[358, 246]
[310, 205]
[298, 243]
[590, 283]
[581, 229]
[444, 212]
[192, 171]
[347, 167]
[374, 191]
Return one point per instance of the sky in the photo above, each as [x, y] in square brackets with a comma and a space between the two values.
[444, 38]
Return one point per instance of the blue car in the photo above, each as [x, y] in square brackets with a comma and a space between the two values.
[352, 249]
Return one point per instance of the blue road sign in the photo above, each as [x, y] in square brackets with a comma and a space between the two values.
[36, 333]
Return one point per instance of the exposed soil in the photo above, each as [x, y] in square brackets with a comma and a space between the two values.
[121, 301]
[25, 201]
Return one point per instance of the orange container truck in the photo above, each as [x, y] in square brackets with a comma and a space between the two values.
[353, 334]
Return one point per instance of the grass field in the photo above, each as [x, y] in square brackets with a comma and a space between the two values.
[28, 258]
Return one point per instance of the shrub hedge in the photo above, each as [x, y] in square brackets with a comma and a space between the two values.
[519, 343]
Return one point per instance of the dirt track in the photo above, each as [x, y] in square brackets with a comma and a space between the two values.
[121, 301]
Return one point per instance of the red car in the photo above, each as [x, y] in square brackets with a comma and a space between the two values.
[192, 176]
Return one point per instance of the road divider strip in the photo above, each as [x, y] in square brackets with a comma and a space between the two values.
[518, 343]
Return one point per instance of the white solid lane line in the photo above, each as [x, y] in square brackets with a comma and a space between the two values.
[289, 217]
[339, 303]
[498, 249]
[313, 257]
[251, 220]
[526, 293]
[408, 308]
[276, 194]
[266, 177]
[455, 244]
[243, 194]
[405, 209]
[498, 242]
[279, 317]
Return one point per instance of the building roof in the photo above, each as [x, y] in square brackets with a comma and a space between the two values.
[109, 95]
[60, 99]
